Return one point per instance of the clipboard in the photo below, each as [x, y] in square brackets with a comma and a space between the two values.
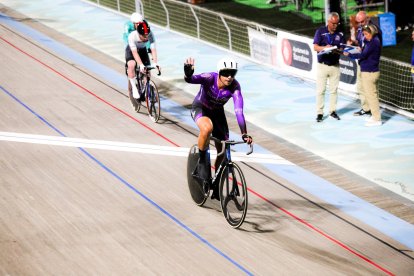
[327, 50]
[352, 49]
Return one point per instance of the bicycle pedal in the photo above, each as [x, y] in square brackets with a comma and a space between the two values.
[206, 187]
[215, 196]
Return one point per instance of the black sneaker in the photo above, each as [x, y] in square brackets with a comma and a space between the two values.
[319, 118]
[362, 112]
[335, 116]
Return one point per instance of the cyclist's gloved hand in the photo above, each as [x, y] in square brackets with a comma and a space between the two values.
[189, 67]
[158, 68]
[142, 68]
[247, 138]
[188, 70]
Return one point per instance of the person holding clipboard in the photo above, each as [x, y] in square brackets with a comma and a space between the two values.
[328, 42]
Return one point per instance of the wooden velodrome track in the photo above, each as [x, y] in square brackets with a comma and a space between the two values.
[68, 210]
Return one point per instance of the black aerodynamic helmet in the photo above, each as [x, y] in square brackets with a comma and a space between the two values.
[143, 28]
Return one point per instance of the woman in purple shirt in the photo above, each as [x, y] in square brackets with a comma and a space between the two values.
[208, 106]
[368, 60]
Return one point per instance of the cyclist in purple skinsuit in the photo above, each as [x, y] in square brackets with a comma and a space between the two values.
[208, 106]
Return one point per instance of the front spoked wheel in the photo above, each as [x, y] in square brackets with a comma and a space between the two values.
[153, 102]
[233, 195]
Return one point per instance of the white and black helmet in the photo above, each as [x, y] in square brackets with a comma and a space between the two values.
[136, 17]
[227, 63]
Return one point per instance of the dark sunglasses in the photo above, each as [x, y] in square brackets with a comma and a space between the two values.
[228, 73]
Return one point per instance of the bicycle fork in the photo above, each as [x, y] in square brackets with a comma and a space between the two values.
[231, 177]
[224, 165]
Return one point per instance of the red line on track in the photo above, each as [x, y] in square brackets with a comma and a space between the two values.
[93, 94]
[168, 140]
[321, 232]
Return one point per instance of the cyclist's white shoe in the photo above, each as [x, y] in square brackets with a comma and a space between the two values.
[135, 93]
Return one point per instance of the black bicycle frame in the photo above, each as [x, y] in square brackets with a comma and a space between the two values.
[225, 162]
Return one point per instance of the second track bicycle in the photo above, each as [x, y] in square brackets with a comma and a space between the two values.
[147, 86]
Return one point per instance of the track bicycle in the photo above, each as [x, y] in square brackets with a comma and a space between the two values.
[228, 181]
[152, 97]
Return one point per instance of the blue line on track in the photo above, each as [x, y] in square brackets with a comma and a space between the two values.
[135, 190]
[375, 217]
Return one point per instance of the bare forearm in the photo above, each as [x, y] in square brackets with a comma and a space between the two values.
[154, 55]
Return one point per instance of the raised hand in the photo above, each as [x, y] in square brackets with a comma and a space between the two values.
[189, 67]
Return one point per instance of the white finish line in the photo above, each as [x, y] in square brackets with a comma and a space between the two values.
[132, 147]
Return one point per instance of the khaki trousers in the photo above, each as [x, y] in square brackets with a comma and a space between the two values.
[360, 90]
[369, 84]
[331, 74]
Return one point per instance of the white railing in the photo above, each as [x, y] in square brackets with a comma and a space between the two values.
[395, 86]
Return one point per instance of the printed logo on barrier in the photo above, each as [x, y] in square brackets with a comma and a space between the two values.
[287, 52]
[297, 54]
[262, 46]
[348, 69]
[260, 50]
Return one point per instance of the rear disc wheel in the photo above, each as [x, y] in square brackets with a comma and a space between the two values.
[198, 190]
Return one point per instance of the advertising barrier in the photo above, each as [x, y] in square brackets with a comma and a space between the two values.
[262, 46]
[295, 54]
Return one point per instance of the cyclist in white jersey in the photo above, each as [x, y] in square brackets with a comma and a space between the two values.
[129, 26]
[140, 42]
